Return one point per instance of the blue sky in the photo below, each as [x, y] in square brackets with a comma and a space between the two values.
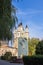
[30, 12]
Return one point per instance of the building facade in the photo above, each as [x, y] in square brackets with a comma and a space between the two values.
[20, 42]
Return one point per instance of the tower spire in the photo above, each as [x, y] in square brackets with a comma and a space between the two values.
[26, 26]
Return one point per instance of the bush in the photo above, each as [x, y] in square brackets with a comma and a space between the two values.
[13, 58]
[33, 60]
[39, 48]
[7, 56]
[2, 57]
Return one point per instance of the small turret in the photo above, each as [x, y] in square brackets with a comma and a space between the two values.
[20, 24]
[26, 26]
[26, 29]
[20, 27]
[26, 32]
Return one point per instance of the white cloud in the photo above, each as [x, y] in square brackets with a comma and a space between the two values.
[28, 12]
[34, 30]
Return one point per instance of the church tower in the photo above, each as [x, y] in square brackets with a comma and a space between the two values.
[21, 40]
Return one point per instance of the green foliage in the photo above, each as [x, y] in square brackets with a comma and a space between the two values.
[39, 48]
[33, 60]
[2, 58]
[7, 56]
[6, 20]
[32, 45]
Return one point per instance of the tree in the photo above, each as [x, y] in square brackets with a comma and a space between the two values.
[6, 20]
[32, 45]
[39, 48]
